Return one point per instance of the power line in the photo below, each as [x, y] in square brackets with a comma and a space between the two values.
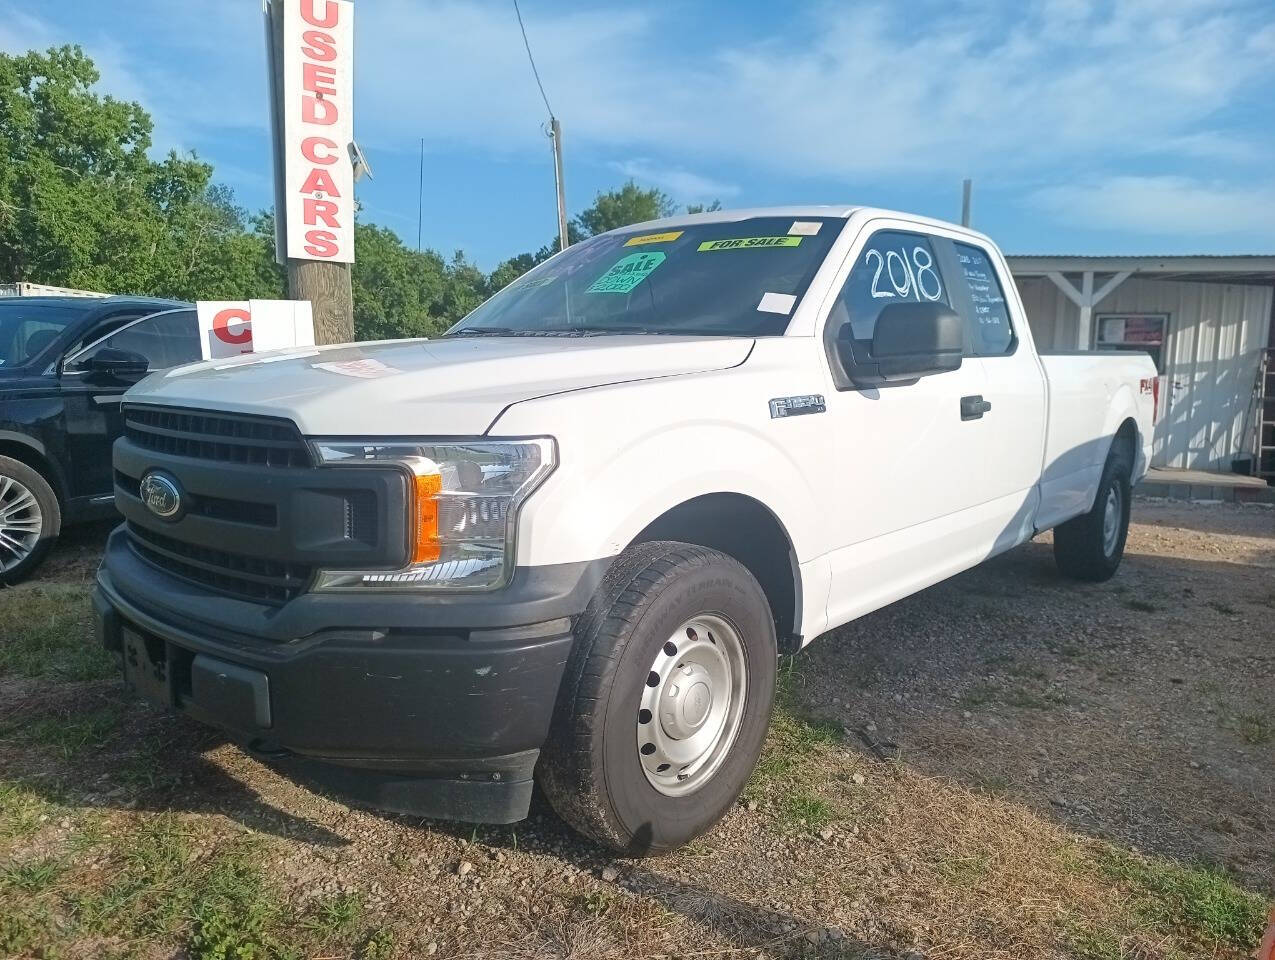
[536, 73]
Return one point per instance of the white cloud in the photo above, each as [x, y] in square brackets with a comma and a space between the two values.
[1163, 205]
[843, 91]
[680, 184]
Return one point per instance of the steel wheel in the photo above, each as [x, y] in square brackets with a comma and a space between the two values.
[21, 522]
[691, 706]
[1111, 514]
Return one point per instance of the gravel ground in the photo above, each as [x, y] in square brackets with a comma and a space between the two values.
[974, 771]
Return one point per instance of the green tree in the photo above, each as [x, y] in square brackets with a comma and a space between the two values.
[611, 209]
[83, 205]
[619, 208]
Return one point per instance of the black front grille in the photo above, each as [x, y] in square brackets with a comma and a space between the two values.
[239, 576]
[223, 437]
[217, 508]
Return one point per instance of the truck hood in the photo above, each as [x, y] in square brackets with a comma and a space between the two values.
[450, 387]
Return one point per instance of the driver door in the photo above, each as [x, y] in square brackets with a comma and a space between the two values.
[907, 457]
[92, 398]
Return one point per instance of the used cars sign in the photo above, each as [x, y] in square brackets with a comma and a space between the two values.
[318, 128]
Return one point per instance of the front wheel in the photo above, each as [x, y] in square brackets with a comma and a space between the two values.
[1090, 546]
[666, 699]
[30, 519]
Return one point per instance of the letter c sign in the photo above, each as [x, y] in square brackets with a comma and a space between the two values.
[221, 326]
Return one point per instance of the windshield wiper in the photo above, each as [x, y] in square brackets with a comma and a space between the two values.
[618, 328]
[484, 332]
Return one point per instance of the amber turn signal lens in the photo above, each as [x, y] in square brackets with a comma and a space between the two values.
[425, 544]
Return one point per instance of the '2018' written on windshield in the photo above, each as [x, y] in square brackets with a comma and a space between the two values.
[898, 276]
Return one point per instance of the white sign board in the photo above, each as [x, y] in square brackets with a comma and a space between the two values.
[228, 328]
[318, 127]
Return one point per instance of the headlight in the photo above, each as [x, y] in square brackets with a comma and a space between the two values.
[463, 507]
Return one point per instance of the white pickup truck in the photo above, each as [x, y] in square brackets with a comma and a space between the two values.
[569, 539]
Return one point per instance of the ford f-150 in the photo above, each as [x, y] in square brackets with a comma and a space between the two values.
[568, 540]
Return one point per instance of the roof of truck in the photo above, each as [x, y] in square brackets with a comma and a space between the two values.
[797, 212]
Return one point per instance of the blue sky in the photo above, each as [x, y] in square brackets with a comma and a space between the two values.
[1088, 127]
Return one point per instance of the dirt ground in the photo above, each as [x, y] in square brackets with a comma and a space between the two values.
[1006, 765]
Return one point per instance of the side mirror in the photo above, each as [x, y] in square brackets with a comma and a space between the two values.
[118, 364]
[911, 340]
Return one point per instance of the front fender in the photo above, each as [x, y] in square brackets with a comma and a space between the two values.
[595, 505]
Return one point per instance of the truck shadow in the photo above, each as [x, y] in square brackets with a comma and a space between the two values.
[93, 745]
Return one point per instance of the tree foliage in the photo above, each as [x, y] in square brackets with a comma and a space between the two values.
[83, 205]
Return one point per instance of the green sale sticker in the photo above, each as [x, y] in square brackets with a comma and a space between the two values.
[626, 273]
[747, 243]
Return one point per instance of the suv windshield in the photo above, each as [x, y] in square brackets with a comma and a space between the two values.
[741, 278]
[28, 329]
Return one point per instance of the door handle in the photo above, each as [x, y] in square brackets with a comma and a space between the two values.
[973, 408]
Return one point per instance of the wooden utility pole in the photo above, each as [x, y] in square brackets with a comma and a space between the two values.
[967, 190]
[324, 283]
[327, 287]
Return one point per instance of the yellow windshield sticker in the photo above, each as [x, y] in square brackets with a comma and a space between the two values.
[626, 273]
[745, 243]
[653, 238]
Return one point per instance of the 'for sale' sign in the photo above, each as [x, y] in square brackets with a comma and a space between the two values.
[318, 127]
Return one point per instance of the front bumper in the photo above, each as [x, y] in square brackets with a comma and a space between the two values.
[400, 700]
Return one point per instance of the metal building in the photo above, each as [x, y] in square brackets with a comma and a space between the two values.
[1205, 320]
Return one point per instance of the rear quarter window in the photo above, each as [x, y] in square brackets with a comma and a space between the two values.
[981, 299]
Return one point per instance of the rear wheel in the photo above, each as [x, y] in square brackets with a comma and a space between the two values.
[666, 700]
[1090, 547]
[30, 519]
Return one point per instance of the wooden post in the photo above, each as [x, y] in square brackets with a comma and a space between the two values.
[326, 285]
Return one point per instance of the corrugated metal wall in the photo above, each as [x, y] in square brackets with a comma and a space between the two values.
[1215, 336]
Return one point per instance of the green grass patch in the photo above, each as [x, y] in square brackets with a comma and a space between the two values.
[1254, 728]
[69, 735]
[236, 916]
[335, 916]
[48, 634]
[801, 809]
[1140, 605]
[31, 876]
[1200, 905]
[22, 810]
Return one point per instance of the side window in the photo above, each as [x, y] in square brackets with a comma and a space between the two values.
[164, 339]
[981, 301]
[894, 267]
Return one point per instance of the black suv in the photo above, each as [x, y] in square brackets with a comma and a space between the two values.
[65, 362]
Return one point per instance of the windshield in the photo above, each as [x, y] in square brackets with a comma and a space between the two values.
[28, 329]
[737, 279]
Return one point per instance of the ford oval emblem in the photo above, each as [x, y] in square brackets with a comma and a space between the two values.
[161, 495]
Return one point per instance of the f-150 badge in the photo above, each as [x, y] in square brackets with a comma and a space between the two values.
[797, 406]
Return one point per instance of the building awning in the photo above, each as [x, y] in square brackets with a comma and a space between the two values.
[1244, 268]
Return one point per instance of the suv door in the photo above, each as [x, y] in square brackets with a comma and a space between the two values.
[909, 468]
[92, 398]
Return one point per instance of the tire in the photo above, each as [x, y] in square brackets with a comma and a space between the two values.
[30, 520]
[1088, 547]
[656, 596]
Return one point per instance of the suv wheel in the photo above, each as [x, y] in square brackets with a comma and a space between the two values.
[1090, 547]
[666, 699]
[30, 519]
